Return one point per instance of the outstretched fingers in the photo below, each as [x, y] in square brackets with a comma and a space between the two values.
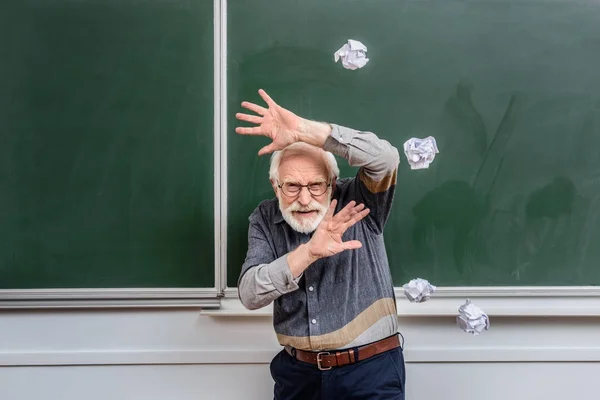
[352, 244]
[355, 210]
[349, 211]
[267, 149]
[249, 118]
[331, 209]
[254, 107]
[343, 214]
[255, 131]
[355, 218]
[270, 102]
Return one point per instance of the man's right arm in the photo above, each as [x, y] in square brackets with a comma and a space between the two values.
[264, 277]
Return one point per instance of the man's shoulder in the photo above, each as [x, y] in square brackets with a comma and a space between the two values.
[266, 211]
[344, 183]
[343, 189]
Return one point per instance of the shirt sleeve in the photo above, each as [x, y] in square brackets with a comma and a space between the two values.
[375, 181]
[263, 278]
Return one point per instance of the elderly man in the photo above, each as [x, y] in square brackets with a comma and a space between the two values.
[317, 252]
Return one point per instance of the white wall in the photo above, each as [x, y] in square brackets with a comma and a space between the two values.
[181, 354]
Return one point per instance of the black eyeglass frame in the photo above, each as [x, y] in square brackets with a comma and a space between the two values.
[307, 186]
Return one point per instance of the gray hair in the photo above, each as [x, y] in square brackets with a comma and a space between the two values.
[330, 162]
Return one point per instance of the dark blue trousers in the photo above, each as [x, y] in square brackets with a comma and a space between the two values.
[376, 378]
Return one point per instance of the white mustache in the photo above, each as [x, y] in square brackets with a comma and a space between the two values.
[306, 224]
[312, 206]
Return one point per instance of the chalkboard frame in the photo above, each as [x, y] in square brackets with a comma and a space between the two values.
[508, 298]
[203, 297]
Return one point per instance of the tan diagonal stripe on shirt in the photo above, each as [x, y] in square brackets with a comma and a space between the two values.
[341, 337]
[378, 186]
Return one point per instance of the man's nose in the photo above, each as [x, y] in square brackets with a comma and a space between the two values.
[304, 197]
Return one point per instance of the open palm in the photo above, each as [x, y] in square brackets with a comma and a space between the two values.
[274, 122]
[327, 239]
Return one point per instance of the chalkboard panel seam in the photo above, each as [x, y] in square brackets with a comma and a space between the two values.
[220, 142]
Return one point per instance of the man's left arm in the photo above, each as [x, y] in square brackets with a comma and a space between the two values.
[376, 179]
[378, 159]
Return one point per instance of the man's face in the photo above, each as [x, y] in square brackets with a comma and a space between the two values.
[303, 211]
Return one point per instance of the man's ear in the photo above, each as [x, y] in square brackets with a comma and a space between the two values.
[274, 186]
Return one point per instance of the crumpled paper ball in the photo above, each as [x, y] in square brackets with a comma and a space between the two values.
[353, 55]
[472, 319]
[420, 152]
[418, 290]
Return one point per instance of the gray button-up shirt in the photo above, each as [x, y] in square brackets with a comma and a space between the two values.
[341, 301]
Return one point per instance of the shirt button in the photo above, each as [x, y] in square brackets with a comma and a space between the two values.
[311, 288]
[314, 321]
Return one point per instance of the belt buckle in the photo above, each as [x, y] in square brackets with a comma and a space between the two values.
[319, 359]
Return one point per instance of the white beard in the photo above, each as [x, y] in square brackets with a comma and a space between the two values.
[306, 225]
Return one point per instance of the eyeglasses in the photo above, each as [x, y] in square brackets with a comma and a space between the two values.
[293, 189]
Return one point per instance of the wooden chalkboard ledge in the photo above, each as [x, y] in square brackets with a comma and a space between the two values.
[110, 298]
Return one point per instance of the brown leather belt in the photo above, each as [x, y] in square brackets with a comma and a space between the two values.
[326, 360]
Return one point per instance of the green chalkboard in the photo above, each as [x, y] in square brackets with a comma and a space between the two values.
[509, 88]
[106, 144]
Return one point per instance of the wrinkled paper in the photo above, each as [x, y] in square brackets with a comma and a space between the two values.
[353, 55]
[418, 290]
[472, 319]
[420, 152]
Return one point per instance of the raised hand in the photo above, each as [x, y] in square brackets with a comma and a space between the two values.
[327, 239]
[275, 122]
